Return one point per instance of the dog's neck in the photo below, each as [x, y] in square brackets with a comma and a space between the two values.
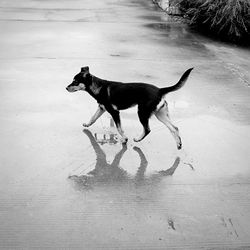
[94, 86]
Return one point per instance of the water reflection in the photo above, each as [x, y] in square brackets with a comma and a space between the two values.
[105, 173]
[105, 138]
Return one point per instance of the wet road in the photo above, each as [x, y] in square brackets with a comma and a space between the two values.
[62, 187]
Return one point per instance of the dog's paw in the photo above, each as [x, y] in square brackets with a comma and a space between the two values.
[85, 125]
[124, 140]
[179, 146]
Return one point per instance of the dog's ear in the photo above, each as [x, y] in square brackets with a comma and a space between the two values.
[85, 70]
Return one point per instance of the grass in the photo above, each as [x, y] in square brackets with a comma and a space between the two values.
[227, 19]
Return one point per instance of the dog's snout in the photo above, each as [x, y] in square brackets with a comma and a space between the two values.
[71, 88]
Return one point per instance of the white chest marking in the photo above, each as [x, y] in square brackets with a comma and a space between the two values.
[114, 107]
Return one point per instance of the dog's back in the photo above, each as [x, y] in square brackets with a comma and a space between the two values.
[125, 95]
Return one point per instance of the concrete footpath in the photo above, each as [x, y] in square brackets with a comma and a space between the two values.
[62, 187]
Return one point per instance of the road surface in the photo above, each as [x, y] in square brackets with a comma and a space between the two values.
[62, 187]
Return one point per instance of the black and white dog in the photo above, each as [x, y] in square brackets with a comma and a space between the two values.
[115, 96]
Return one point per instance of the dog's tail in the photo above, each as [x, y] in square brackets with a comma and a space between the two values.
[178, 85]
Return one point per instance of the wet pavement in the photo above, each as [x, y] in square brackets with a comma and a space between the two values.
[63, 187]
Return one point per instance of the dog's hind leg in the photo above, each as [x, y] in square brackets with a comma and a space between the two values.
[97, 114]
[162, 115]
[144, 119]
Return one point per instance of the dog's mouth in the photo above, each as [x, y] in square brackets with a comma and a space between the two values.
[70, 89]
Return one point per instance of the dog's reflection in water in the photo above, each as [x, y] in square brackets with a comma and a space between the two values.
[106, 138]
[110, 173]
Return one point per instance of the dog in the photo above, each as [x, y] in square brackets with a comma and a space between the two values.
[113, 96]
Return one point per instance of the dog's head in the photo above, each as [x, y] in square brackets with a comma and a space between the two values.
[80, 81]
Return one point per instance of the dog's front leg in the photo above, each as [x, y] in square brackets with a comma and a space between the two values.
[97, 114]
[116, 117]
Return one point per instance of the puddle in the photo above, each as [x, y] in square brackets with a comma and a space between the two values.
[111, 173]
